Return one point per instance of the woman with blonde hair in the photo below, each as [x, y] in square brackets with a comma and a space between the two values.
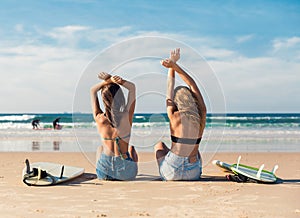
[118, 160]
[187, 114]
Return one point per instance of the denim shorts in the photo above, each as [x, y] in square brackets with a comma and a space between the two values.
[174, 167]
[116, 168]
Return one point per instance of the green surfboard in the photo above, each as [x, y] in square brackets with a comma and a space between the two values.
[257, 174]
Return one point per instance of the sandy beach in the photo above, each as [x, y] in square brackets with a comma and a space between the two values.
[212, 196]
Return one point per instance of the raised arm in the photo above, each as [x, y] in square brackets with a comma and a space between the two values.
[130, 106]
[174, 56]
[189, 81]
[94, 98]
[94, 90]
[170, 85]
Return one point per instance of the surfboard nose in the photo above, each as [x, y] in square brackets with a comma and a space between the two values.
[215, 162]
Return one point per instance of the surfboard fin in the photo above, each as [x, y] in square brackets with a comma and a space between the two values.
[27, 166]
[238, 162]
[39, 175]
[259, 171]
[274, 169]
[62, 171]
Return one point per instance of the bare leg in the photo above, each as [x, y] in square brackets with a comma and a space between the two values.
[161, 151]
[133, 153]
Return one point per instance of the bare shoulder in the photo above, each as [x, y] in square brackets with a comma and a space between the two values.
[175, 118]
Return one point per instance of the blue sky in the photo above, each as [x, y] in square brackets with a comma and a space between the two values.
[253, 47]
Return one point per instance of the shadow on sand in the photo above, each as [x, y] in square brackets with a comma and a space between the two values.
[288, 181]
[83, 179]
[87, 178]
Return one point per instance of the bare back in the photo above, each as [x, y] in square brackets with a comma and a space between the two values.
[115, 139]
[182, 127]
[109, 134]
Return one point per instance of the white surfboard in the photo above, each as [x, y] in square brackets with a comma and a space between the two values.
[45, 173]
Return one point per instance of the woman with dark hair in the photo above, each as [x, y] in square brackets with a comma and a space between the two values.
[118, 160]
[187, 114]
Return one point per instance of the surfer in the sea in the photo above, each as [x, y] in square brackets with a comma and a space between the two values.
[56, 123]
[187, 114]
[35, 124]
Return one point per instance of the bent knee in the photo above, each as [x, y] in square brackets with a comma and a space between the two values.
[159, 146]
[131, 148]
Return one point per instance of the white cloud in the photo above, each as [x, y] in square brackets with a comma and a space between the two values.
[73, 35]
[67, 35]
[19, 28]
[260, 84]
[66, 31]
[217, 53]
[245, 38]
[208, 47]
[111, 35]
[41, 77]
[288, 48]
[279, 44]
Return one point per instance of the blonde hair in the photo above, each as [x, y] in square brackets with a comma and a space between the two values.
[187, 104]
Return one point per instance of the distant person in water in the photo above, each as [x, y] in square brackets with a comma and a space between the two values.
[56, 124]
[116, 159]
[187, 114]
[35, 124]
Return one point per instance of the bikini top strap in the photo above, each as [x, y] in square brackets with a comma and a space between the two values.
[117, 140]
[185, 140]
[127, 136]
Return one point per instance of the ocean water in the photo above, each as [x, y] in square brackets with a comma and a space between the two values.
[224, 132]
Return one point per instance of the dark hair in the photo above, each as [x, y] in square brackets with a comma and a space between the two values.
[114, 103]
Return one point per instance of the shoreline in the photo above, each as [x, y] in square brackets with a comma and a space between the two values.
[144, 139]
[212, 196]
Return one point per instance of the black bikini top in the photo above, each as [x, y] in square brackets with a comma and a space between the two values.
[185, 140]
